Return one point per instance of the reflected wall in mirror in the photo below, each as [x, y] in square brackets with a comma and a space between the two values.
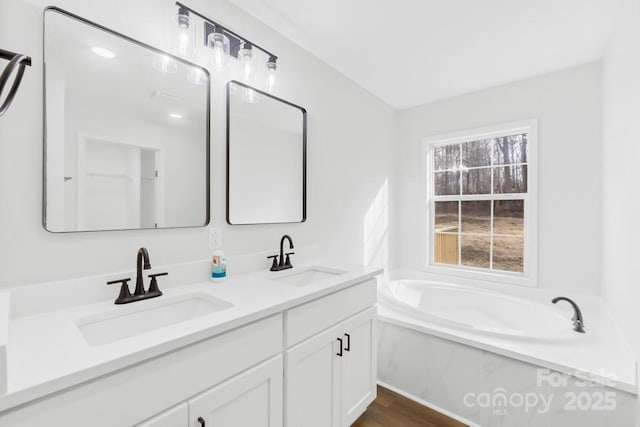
[266, 158]
[126, 132]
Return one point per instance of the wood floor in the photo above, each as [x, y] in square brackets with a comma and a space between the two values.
[392, 410]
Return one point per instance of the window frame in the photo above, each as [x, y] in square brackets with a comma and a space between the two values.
[530, 227]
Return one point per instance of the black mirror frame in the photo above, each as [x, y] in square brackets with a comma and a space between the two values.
[44, 123]
[304, 150]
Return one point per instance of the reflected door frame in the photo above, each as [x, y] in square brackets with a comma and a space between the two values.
[82, 139]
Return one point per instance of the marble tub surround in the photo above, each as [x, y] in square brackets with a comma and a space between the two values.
[468, 383]
[603, 352]
[48, 353]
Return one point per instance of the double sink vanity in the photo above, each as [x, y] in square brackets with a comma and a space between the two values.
[294, 347]
[290, 346]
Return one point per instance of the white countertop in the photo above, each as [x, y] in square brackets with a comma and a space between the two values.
[47, 352]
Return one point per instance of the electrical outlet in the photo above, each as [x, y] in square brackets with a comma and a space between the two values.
[215, 238]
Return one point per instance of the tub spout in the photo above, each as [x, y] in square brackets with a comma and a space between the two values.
[578, 322]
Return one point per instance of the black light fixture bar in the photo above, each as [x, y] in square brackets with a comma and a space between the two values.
[8, 55]
[234, 38]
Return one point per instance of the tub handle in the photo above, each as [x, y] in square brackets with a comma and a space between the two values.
[348, 346]
[340, 352]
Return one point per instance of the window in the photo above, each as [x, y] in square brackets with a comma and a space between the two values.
[481, 203]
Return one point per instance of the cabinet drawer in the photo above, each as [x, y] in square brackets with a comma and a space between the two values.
[308, 319]
[134, 394]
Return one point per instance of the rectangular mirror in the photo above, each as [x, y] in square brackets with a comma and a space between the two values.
[126, 132]
[266, 158]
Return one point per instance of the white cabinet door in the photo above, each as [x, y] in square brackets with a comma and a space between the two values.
[358, 365]
[312, 383]
[253, 398]
[178, 416]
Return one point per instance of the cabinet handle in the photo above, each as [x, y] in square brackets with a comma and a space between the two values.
[340, 352]
[201, 421]
[348, 347]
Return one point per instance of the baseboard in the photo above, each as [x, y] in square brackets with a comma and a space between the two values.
[428, 405]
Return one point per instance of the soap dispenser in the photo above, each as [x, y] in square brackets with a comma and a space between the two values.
[218, 265]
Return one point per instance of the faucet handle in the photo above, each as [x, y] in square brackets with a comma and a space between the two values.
[123, 281]
[151, 276]
[153, 286]
[287, 261]
[274, 265]
[125, 295]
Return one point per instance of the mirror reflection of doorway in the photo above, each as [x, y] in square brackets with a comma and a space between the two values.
[117, 186]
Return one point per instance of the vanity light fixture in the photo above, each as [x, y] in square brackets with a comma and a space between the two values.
[175, 115]
[245, 55]
[225, 43]
[103, 52]
[219, 44]
[271, 74]
[183, 38]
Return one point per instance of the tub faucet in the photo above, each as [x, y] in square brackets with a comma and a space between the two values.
[578, 322]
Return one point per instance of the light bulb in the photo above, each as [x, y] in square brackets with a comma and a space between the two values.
[217, 54]
[219, 44]
[271, 73]
[183, 35]
[246, 55]
[165, 64]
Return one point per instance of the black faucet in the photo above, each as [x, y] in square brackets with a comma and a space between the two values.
[578, 322]
[142, 262]
[143, 255]
[282, 263]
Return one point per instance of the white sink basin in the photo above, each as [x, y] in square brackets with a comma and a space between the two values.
[309, 275]
[144, 316]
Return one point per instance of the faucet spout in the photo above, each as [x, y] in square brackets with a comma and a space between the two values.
[578, 321]
[285, 237]
[142, 262]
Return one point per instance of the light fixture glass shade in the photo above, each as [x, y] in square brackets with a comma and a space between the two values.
[245, 56]
[219, 45]
[271, 74]
[165, 64]
[183, 35]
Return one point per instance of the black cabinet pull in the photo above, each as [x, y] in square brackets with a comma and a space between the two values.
[201, 421]
[340, 352]
[348, 347]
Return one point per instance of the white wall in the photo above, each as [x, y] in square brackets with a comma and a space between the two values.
[567, 105]
[349, 153]
[620, 154]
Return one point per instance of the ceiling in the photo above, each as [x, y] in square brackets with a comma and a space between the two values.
[410, 52]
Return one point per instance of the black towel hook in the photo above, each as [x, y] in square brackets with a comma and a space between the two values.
[16, 62]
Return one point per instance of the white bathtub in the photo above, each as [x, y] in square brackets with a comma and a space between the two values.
[477, 310]
[441, 343]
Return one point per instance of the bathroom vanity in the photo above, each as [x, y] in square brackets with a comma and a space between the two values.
[293, 348]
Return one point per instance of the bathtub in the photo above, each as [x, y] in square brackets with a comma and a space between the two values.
[477, 310]
[454, 348]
